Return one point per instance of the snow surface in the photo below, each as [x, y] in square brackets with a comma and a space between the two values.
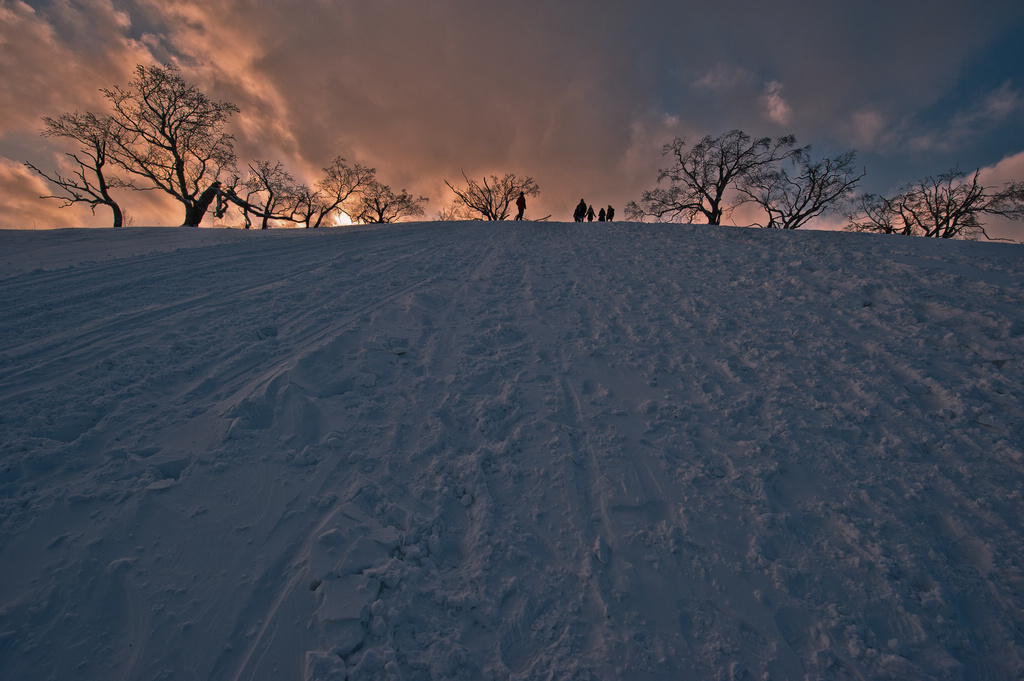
[510, 451]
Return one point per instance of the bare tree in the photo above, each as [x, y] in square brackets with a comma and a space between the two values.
[90, 181]
[271, 193]
[947, 206]
[699, 177]
[379, 203]
[342, 182]
[171, 134]
[456, 212]
[814, 188]
[877, 213]
[493, 200]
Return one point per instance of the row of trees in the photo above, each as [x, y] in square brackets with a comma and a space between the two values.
[270, 193]
[719, 174]
[162, 133]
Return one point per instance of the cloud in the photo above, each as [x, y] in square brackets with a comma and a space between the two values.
[54, 60]
[738, 88]
[723, 77]
[579, 94]
[999, 105]
[962, 126]
[776, 106]
[868, 127]
[58, 61]
[22, 207]
[1009, 169]
[1004, 102]
[420, 92]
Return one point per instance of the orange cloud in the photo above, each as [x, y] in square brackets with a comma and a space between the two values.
[775, 104]
[23, 209]
[576, 94]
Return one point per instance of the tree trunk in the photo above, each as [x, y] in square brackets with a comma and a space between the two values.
[194, 213]
[118, 215]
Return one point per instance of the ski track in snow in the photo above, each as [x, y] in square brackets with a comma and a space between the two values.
[497, 451]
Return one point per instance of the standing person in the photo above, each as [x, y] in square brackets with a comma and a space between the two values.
[580, 212]
[610, 214]
[600, 215]
[590, 214]
[521, 205]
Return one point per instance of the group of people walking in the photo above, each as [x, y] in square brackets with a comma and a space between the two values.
[582, 213]
[585, 212]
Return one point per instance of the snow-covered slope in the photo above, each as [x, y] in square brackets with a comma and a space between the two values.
[510, 451]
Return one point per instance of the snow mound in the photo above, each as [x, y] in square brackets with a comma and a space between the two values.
[510, 451]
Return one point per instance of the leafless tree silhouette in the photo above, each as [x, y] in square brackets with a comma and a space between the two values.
[171, 134]
[700, 176]
[946, 206]
[492, 200]
[379, 203]
[813, 188]
[343, 182]
[90, 181]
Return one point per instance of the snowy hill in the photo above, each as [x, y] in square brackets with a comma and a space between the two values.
[510, 451]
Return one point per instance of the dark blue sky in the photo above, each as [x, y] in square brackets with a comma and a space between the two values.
[580, 95]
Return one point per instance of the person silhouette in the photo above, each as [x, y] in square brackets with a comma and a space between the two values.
[600, 215]
[590, 214]
[521, 205]
[580, 212]
[610, 214]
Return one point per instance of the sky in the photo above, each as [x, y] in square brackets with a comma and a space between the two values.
[581, 96]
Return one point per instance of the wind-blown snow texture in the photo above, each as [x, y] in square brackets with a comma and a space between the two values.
[510, 451]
